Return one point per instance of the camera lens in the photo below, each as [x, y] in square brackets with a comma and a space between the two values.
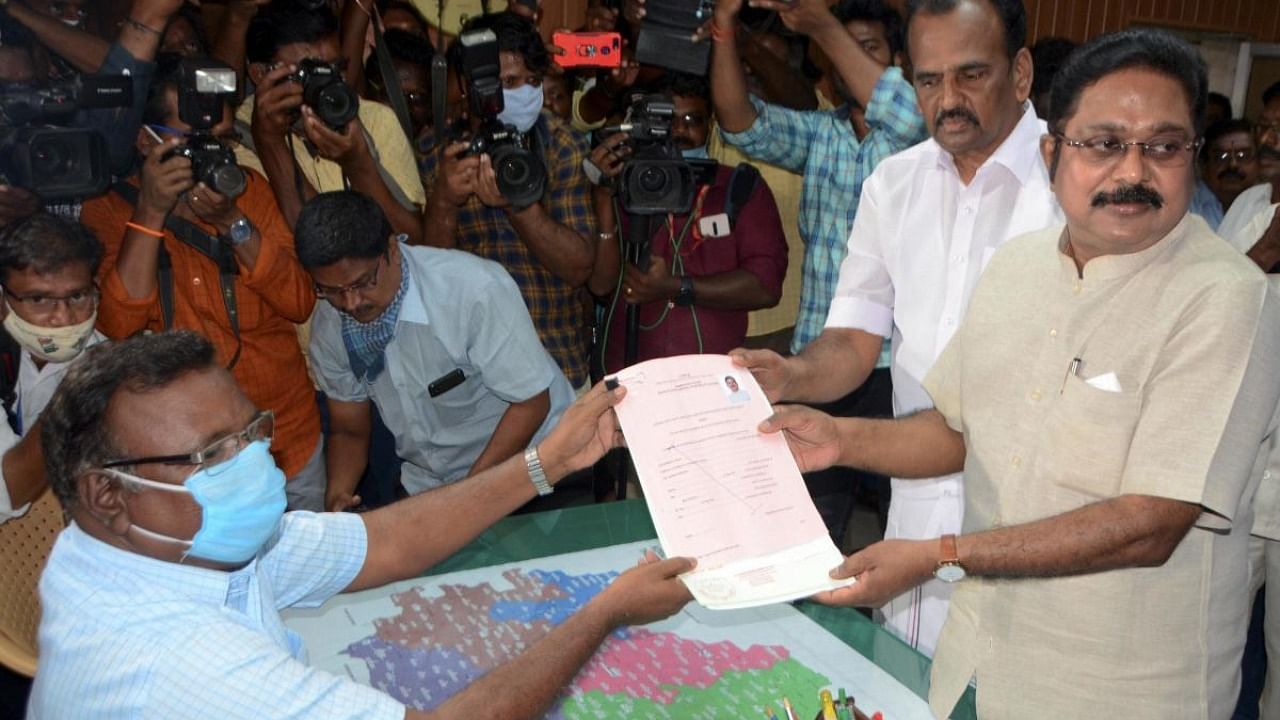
[227, 180]
[514, 171]
[336, 104]
[652, 180]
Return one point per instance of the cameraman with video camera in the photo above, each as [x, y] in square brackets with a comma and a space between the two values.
[541, 234]
[179, 254]
[708, 266]
[309, 128]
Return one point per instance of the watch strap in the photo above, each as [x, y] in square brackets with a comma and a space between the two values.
[685, 297]
[536, 474]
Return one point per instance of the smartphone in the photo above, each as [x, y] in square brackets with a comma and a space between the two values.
[588, 49]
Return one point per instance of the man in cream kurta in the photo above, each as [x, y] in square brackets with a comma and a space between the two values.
[1107, 396]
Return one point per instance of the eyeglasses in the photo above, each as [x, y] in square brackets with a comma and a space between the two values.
[45, 305]
[64, 9]
[359, 287]
[1107, 150]
[213, 458]
[1242, 155]
[689, 120]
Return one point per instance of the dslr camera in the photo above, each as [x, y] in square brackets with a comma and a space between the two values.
[325, 92]
[203, 91]
[522, 178]
[41, 151]
[656, 179]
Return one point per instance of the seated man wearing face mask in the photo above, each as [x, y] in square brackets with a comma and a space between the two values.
[546, 246]
[47, 266]
[708, 268]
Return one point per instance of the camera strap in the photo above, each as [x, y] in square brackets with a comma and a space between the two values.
[390, 80]
[741, 185]
[205, 244]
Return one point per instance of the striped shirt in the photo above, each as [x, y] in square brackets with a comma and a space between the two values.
[128, 636]
[558, 309]
[823, 147]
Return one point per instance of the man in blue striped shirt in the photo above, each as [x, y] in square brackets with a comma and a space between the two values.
[161, 599]
[836, 150]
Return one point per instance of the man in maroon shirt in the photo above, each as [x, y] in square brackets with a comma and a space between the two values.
[704, 274]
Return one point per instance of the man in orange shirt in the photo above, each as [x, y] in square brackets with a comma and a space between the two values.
[246, 301]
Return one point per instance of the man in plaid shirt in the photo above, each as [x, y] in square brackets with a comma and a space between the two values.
[548, 247]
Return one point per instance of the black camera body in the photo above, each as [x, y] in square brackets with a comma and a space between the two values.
[656, 179]
[522, 177]
[38, 149]
[325, 92]
[666, 34]
[203, 91]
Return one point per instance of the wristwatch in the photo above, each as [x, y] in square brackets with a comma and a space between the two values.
[536, 475]
[685, 297]
[240, 232]
[949, 569]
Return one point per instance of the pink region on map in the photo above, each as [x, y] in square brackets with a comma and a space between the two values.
[656, 666]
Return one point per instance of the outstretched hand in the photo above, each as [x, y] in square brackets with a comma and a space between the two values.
[884, 571]
[771, 371]
[812, 435]
[586, 431]
[649, 592]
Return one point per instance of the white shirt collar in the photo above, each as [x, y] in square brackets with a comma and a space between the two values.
[1019, 153]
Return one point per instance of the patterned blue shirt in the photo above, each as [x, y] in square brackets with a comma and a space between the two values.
[823, 147]
[128, 636]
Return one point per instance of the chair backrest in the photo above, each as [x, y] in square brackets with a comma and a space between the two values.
[25, 543]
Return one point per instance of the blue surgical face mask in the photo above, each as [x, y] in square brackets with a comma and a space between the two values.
[241, 503]
[698, 153]
[520, 107]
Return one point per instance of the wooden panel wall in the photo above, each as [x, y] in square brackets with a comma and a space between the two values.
[1255, 20]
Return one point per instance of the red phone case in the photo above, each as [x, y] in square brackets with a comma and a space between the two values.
[588, 49]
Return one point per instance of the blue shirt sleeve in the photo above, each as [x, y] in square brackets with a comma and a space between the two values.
[779, 136]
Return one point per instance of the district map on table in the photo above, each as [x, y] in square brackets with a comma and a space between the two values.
[423, 640]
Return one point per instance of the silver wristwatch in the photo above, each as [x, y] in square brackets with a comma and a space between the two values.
[536, 474]
[240, 232]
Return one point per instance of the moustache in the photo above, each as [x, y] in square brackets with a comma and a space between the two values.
[1231, 173]
[1128, 195]
[958, 113]
[1266, 152]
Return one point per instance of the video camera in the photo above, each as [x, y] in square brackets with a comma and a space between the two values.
[666, 34]
[40, 152]
[522, 179]
[203, 91]
[325, 92]
[656, 179]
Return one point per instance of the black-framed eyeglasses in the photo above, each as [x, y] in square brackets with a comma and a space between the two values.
[1106, 149]
[45, 305]
[217, 453]
[1241, 155]
[358, 287]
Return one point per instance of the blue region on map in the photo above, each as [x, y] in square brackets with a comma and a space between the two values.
[578, 589]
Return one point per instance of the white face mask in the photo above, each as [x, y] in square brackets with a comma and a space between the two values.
[521, 107]
[59, 344]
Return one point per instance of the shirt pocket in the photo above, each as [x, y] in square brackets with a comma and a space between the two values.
[1087, 437]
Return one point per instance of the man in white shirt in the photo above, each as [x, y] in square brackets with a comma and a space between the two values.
[47, 267]
[929, 220]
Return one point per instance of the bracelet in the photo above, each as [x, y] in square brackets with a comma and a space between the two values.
[143, 27]
[144, 229]
[606, 235]
[719, 34]
[536, 475]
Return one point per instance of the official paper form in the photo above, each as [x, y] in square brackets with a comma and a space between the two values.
[718, 489]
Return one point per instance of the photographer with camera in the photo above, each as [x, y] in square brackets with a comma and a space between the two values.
[130, 56]
[308, 126]
[180, 255]
[707, 266]
[47, 266]
[487, 195]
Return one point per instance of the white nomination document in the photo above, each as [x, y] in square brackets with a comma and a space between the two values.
[718, 489]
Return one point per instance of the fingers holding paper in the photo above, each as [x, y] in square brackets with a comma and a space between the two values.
[586, 431]
[883, 571]
[769, 368]
[648, 592]
[812, 435]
